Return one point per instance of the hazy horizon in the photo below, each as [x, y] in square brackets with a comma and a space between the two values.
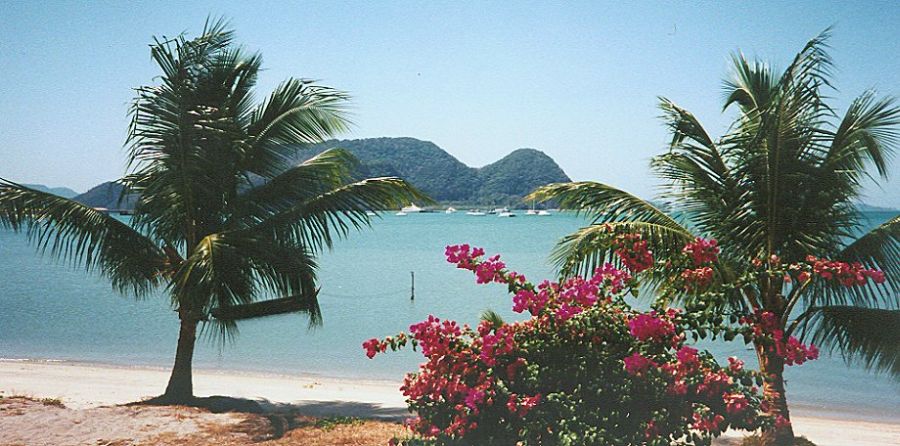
[578, 81]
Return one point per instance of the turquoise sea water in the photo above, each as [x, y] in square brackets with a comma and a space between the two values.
[49, 311]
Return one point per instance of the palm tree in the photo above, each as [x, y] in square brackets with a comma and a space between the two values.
[225, 221]
[782, 181]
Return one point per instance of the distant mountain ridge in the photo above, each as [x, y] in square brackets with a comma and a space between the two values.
[445, 178]
[64, 192]
[422, 163]
[863, 207]
[106, 195]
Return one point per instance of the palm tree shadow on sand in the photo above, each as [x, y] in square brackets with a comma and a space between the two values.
[284, 417]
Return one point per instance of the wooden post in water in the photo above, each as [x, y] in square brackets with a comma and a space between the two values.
[412, 289]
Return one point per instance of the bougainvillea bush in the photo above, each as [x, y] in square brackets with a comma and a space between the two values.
[586, 368]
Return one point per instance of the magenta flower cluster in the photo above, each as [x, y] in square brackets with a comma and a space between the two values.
[492, 373]
[649, 326]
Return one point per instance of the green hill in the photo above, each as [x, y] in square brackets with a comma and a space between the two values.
[105, 195]
[422, 163]
[445, 178]
[516, 175]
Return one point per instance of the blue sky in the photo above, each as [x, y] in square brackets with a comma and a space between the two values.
[578, 80]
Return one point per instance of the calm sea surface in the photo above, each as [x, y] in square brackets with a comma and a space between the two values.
[49, 311]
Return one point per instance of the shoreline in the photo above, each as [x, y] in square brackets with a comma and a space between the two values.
[87, 386]
[81, 386]
[798, 408]
[201, 369]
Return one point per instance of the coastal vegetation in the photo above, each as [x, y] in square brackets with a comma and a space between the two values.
[588, 369]
[584, 369]
[780, 187]
[225, 224]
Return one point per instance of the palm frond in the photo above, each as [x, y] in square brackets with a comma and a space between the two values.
[812, 66]
[235, 73]
[698, 178]
[870, 336]
[298, 113]
[240, 268]
[178, 127]
[588, 248]
[319, 174]
[868, 133]
[493, 318]
[83, 236]
[223, 326]
[318, 221]
[773, 149]
[878, 249]
[686, 127]
[751, 86]
[610, 207]
[271, 307]
[603, 202]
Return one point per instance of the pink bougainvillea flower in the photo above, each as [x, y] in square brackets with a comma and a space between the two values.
[637, 364]
[374, 346]
[688, 357]
[735, 403]
[633, 252]
[702, 251]
[650, 326]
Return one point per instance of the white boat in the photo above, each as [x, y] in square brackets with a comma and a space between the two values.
[506, 214]
[475, 212]
[498, 210]
[531, 212]
[371, 214]
[411, 209]
[544, 213]
[450, 210]
[400, 214]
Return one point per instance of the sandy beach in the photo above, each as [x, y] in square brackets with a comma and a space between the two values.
[83, 386]
[88, 391]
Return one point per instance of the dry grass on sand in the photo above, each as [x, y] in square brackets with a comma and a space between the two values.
[27, 421]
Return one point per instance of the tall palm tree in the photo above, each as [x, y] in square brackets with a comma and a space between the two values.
[782, 181]
[226, 222]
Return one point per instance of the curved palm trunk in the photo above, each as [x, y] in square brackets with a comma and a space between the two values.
[180, 389]
[772, 366]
